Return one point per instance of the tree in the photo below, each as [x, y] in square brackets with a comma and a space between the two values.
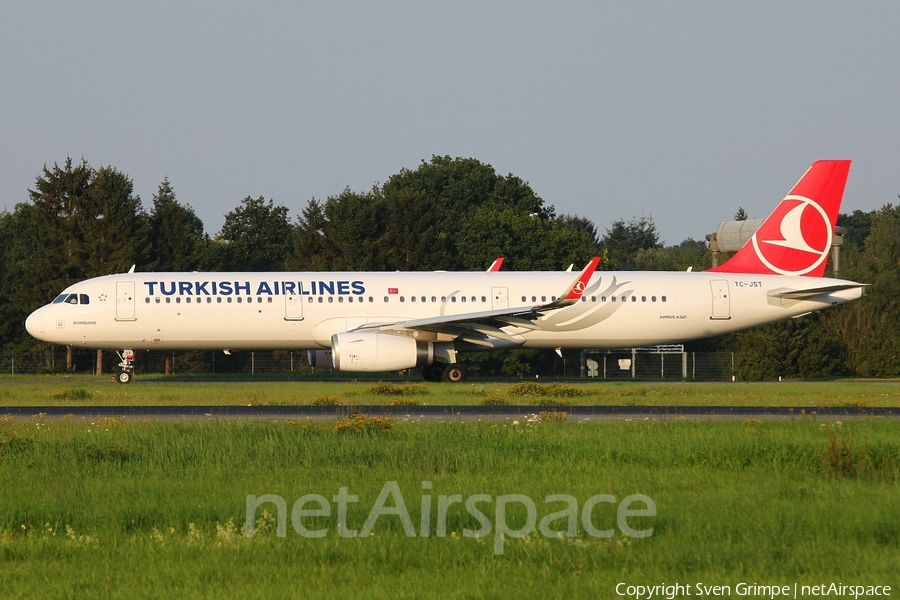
[858, 224]
[528, 243]
[741, 214]
[111, 225]
[453, 214]
[346, 233]
[256, 236]
[426, 209]
[623, 241]
[178, 242]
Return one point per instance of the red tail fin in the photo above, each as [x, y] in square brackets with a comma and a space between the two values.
[796, 238]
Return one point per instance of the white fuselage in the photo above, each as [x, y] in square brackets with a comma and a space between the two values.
[246, 311]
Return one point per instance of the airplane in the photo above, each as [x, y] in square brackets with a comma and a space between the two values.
[392, 321]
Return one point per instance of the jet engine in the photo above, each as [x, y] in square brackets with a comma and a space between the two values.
[373, 352]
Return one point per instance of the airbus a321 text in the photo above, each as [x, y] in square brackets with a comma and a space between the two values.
[389, 321]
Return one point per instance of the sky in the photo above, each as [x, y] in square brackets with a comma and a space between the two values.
[678, 111]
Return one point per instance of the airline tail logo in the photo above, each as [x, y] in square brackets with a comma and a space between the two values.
[796, 238]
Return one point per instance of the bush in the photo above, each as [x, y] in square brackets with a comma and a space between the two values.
[493, 401]
[393, 389]
[406, 402]
[360, 424]
[556, 390]
[327, 401]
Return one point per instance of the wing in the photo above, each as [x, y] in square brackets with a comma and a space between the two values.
[485, 328]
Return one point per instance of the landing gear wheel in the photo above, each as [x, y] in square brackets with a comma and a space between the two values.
[433, 372]
[454, 373]
[126, 367]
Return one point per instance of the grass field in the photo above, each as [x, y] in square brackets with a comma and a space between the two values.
[112, 508]
[91, 391]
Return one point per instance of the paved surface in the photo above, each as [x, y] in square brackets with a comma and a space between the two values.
[443, 412]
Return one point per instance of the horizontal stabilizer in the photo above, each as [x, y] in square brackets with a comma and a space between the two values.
[789, 294]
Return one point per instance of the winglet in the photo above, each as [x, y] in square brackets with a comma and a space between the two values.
[573, 292]
[495, 266]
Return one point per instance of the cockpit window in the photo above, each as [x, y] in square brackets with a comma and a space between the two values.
[72, 299]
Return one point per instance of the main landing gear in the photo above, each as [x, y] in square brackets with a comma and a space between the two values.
[451, 373]
[126, 367]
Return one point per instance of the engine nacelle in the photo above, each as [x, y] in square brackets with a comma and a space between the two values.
[373, 352]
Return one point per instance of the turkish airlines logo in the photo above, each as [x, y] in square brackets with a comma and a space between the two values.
[578, 288]
[796, 238]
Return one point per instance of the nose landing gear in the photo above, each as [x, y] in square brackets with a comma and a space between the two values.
[126, 366]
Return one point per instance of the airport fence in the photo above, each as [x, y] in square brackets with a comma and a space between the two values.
[639, 364]
[657, 364]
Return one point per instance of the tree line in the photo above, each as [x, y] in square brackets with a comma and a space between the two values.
[447, 214]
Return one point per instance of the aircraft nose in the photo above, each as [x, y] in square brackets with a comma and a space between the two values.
[36, 325]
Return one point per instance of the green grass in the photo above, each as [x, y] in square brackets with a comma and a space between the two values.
[123, 509]
[61, 391]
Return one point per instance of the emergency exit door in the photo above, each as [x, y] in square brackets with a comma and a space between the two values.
[721, 303]
[125, 301]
